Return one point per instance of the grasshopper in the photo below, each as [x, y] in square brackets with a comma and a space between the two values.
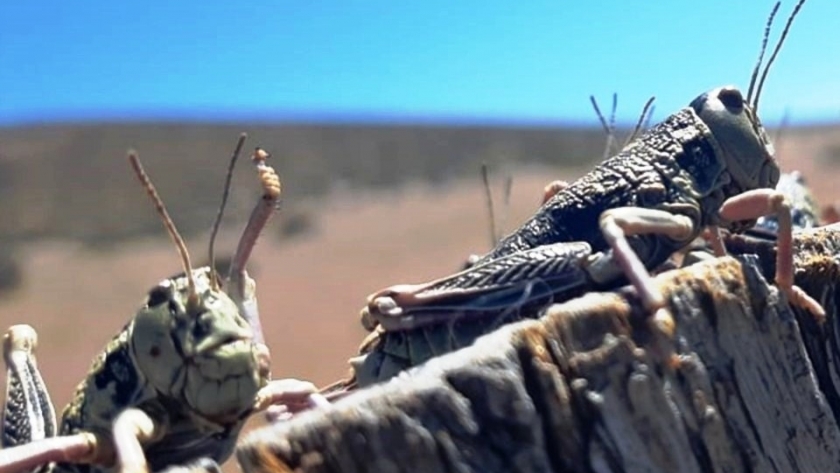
[174, 386]
[708, 166]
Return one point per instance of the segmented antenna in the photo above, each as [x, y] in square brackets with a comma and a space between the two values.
[775, 53]
[600, 115]
[644, 120]
[214, 282]
[763, 50]
[609, 127]
[611, 134]
[488, 198]
[649, 117]
[167, 222]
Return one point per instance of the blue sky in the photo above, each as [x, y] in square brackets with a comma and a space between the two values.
[467, 60]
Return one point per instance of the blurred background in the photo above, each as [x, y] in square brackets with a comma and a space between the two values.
[378, 116]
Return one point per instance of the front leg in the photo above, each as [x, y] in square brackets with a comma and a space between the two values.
[29, 425]
[616, 224]
[761, 202]
[283, 398]
[28, 413]
[132, 428]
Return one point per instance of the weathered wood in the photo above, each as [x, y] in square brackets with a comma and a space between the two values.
[747, 384]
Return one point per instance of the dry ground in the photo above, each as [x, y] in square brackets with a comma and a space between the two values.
[310, 289]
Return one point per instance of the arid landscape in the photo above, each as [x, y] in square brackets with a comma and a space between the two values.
[363, 208]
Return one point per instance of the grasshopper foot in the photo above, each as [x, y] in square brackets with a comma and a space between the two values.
[798, 297]
[761, 202]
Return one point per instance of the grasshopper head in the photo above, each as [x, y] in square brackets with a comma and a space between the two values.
[199, 350]
[742, 145]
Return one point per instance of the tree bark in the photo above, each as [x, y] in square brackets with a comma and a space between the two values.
[748, 383]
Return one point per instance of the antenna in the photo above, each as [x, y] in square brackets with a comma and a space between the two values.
[214, 282]
[600, 115]
[775, 53]
[644, 119]
[609, 127]
[763, 49]
[611, 133]
[649, 116]
[192, 299]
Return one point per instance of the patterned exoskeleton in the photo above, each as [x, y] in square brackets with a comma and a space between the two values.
[706, 167]
[174, 387]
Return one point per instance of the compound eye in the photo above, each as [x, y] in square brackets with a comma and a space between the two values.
[732, 99]
[158, 296]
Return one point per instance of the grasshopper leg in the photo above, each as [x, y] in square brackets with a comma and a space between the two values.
[553, 188]
[283, 398]
[758, 203]
[29, 424]
[616, 224]
[242, 289]
[78, 448]
[132, 428]
[28, 413]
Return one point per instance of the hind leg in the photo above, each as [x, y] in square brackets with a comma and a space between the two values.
[617, 224]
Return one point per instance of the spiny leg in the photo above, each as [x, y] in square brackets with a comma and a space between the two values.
[78, 448]
[761, 202]
[617, 224]
[29, 425]
[28, 413]
[292, 394]
[242, 289]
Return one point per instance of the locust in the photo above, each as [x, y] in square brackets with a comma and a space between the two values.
[708, 167]
[175, 386]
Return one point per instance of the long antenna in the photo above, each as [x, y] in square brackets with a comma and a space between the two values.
[167, 222]
[649, 116]
[611, 133]
[763, 50]
[214, 282]
[775, 53]
[600, 115]
[488, 198]
[609, 127]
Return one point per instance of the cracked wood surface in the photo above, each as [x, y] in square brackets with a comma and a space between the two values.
[748, 384]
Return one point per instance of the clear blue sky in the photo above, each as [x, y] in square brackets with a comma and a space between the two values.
[531, 61]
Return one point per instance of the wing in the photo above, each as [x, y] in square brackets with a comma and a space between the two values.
[515, 282]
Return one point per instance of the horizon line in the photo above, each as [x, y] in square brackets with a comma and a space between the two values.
[221, 116]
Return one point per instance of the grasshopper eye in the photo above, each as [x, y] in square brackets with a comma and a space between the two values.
[732, 99]
[158, 296]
